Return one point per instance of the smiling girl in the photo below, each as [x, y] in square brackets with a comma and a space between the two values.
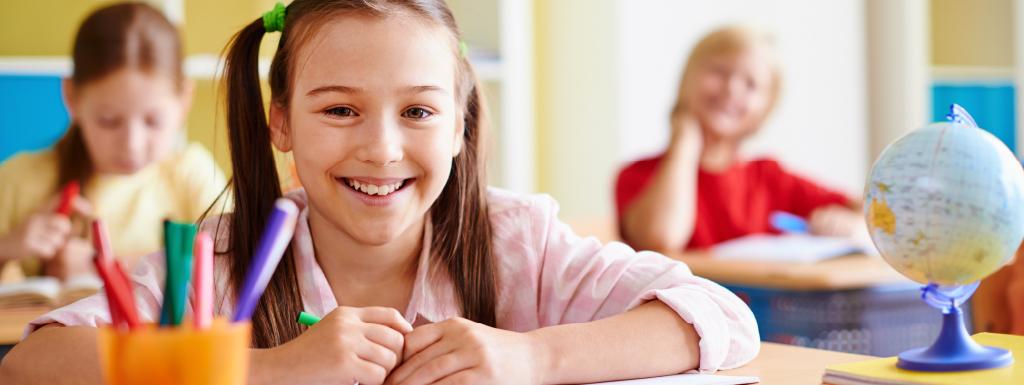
[422, 273]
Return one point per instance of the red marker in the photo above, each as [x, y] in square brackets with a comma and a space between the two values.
[67, 196]
[115, 283]
[101, 242]
[117, 295]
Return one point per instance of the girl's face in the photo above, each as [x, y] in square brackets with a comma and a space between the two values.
[129, 119]
[373, 123]
[731, 94]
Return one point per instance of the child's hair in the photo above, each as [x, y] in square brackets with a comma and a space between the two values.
[728, 40]
[124, 35]
[462, 233]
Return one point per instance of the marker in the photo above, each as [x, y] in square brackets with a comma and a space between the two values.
[67, 196]
[171, 244]
[178, 242]
[307, 319]
[788, 223]
[119, 295]
[276, 237]
[130, 310]
[202, 284]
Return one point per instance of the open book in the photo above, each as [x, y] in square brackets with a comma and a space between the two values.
[801, 248]
[47, 291]
[688, 379]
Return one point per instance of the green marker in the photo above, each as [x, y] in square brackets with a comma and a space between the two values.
[307, 319]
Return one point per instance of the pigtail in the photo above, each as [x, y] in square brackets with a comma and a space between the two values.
[462, 236]
[73, 160]
[256, 186]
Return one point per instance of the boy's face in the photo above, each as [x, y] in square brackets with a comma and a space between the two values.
[129, 118]
[372, 123]
[732, 93]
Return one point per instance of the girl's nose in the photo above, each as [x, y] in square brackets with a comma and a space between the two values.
[382, 143]
[135, 137]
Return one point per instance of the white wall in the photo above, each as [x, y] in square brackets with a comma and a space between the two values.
[820, 125]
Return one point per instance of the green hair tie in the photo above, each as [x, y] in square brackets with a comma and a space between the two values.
[463, 49]
[273, 20]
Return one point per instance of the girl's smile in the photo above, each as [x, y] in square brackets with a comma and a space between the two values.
[377, 191]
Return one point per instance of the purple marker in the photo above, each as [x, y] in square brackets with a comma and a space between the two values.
[276, 237]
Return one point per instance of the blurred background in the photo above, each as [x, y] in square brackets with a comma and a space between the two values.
[577, 88]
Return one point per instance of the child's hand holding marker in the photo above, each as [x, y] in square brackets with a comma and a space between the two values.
[45, 233]
[349, 345]
[457, 349]
[461, 351]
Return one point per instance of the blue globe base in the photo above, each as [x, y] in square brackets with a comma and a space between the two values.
[954, 350]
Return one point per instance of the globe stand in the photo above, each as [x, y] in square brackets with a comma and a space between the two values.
[953, 350]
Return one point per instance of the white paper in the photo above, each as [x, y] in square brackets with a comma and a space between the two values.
[689, 379]
[46, 286]
[800, 248]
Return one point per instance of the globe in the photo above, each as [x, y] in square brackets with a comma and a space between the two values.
[945, 207]
[945, 203]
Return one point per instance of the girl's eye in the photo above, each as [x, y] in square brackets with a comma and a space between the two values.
[152, 122]
[751, 84]
[109, 122]
[340, 111]
[416, 113]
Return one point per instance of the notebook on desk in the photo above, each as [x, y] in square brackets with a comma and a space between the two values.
[688, 379]
[883, 371]
[800, 248]
[47, 291]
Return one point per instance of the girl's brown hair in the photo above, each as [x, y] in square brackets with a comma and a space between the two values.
[462, 233]
[728, 40]
[124, 35]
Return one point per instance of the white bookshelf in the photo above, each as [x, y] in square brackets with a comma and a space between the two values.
[499, 34]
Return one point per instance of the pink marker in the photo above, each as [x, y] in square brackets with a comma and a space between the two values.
[202, 284]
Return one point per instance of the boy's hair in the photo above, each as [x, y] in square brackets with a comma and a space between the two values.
[728, 40]
[462, 232]
[125, 35]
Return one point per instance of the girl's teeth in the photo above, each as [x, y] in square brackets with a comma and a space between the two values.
[371, 189]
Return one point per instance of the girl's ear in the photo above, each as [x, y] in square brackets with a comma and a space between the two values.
[280, 135]
[68, 93]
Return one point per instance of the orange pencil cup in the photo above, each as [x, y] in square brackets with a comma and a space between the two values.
[181, 355]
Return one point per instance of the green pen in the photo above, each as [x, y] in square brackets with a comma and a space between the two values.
[307, 319]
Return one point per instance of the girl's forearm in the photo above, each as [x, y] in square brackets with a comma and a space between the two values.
[663, 215]
[54, 355]
[650, 340]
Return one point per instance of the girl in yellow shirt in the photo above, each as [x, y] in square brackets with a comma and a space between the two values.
[127, 97]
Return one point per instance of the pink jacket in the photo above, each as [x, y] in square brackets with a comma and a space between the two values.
[548, 276]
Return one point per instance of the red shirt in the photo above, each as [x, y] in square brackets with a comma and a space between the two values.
[736, 202]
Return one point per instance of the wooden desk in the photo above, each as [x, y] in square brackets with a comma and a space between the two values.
[849, 272]
[13, 322]
[779, 364]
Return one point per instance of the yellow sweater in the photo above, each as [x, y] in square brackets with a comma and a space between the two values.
[132, 207]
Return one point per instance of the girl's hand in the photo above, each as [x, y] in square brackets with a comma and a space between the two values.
[74, 259]
[459, 351]
[44, 233]
[348, 345]
[686, 135]
[835, 221]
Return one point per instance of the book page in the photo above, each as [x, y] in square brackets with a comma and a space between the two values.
[688, 379]
[801, 248]
[33, 291]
